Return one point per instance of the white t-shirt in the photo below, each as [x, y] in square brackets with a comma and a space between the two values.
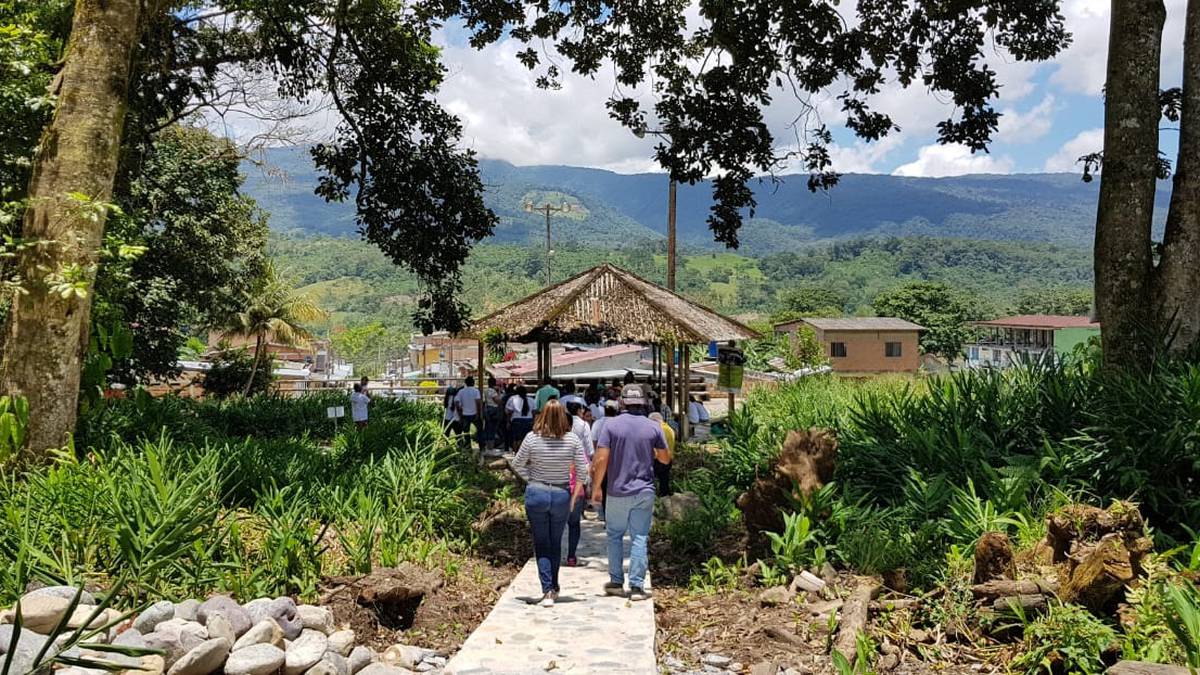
[514, 404]
[597, 411]
[584, 432]
[358, 406]
[468, 400]
[572, 398]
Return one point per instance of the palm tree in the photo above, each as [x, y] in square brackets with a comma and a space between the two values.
[273, 311]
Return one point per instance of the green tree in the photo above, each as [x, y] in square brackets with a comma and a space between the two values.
[272, 312]
[1067, 301]
[204, 248]
[943, 311]
[809, 301]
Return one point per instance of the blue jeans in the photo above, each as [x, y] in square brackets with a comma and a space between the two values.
[574, 528]
[628, 514]
[547, 507]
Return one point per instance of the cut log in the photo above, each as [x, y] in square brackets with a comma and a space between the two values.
[805, 464]
[1101, 573]
[994, 558]
[853, 618]
[1005, 587]
[1030, 604]
[1143, 668]
[784, 636]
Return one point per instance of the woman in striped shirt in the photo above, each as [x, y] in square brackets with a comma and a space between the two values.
[544, 461]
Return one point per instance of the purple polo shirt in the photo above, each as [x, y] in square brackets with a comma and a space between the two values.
[631, 440]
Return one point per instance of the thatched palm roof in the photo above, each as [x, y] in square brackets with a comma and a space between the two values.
[607, 304]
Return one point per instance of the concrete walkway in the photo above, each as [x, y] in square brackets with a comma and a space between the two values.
[586, 632]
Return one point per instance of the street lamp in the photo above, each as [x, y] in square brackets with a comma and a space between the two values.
[641, 133]
[547, 208]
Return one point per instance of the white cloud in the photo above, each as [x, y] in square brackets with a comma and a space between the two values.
[1066, 159]
[1081, 67]
[1029, 126]
[952, 160]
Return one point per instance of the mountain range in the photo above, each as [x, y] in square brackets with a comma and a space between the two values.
[611, 210]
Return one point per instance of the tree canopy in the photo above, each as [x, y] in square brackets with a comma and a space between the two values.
[942, 310]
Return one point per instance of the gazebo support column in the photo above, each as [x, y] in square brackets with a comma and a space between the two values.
[481, 368]
[671, 379]
[685, 386]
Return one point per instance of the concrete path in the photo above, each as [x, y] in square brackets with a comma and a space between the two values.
[586, 632]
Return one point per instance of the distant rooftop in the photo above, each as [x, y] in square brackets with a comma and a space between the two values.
[863, 323]
[1041, 322]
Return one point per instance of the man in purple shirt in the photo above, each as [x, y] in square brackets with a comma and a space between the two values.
[625, 453]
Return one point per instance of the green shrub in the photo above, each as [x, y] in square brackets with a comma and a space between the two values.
[231, 370]
[1067, 639]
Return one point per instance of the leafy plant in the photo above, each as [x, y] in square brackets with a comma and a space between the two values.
[1184, 620]
[797, 547]
[1065, 639]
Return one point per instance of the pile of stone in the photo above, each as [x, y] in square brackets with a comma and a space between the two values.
[267, 636]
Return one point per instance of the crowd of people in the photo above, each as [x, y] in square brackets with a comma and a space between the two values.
[609, 448]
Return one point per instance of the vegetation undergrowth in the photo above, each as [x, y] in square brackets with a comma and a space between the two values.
[258, 496]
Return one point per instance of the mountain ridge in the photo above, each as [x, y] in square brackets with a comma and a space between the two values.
[612, 209]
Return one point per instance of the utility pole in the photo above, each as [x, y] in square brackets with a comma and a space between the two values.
[548, 208]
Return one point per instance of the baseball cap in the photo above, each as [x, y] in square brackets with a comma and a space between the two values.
[632, 394]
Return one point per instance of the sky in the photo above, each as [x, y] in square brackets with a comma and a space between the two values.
[1052, 111]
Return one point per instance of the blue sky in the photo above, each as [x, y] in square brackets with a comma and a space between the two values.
[1053, 111]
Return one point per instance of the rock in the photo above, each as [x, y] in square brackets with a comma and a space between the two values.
[187, 609]
[305, 651]
[718, 660]
[239, 620]
[405, 656]
[282, 610]
[736, 667]
[918, 635]
[176, 637]
[84, 612]
[131, 637]
[888, 662]
[203, 658]
[150, 664]
[807, 581]
[41, 614]
[439, 661]
[257, 659]
[341, 666]
[219, 627]
[64, 592]
[678, 505]
[315, 618]
[114, 658]
[321, 667]
[775, 596]
[155, 614]
[360, 657]
[424, 667]
[341, 642]
[266, 631]
[824, 608]
[384, 669]
[79, 670]
[764, 668]
[28, 645]
[828, 574]
[994, 558]
[1143, 668]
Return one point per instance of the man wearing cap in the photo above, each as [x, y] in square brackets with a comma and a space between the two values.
[626, 450]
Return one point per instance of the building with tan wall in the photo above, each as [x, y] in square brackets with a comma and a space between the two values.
[865, 344]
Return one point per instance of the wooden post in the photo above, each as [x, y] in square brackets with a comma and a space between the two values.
[481, 408]
[684, 389]
[671, 377]
[549, 362]
[731, 397]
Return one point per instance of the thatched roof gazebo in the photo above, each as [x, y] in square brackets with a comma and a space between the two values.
[607, 305]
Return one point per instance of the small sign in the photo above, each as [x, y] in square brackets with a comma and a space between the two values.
[731, 366]
[335, 411]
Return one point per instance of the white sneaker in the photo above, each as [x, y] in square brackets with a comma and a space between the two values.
[548, 599]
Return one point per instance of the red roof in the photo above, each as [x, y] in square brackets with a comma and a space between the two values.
[1041, 322]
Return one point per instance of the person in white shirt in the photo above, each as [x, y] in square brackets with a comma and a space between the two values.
[359, 400]
[568, 396]
[520, 416]
[467, 402]
[696, 411]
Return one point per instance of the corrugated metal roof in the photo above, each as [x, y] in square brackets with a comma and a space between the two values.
[1041, 322]
[862, 323]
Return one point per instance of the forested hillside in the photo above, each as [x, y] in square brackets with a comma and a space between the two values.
[609, 209]
[359, 285]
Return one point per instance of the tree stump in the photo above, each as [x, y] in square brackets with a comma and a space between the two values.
[804, 466]
[994, 558]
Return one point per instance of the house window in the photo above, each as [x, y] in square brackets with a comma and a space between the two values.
[973, 354]
[891, 349]
[837, 350]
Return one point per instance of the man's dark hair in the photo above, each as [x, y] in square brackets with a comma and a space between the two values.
[470, 381]
[357, 387]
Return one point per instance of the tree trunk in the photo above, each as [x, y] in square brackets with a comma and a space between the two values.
[1127, 183]
[1179, 269]
[258, 349]
[47, 333]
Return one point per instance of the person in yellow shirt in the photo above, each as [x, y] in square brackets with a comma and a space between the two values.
[662, 472]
